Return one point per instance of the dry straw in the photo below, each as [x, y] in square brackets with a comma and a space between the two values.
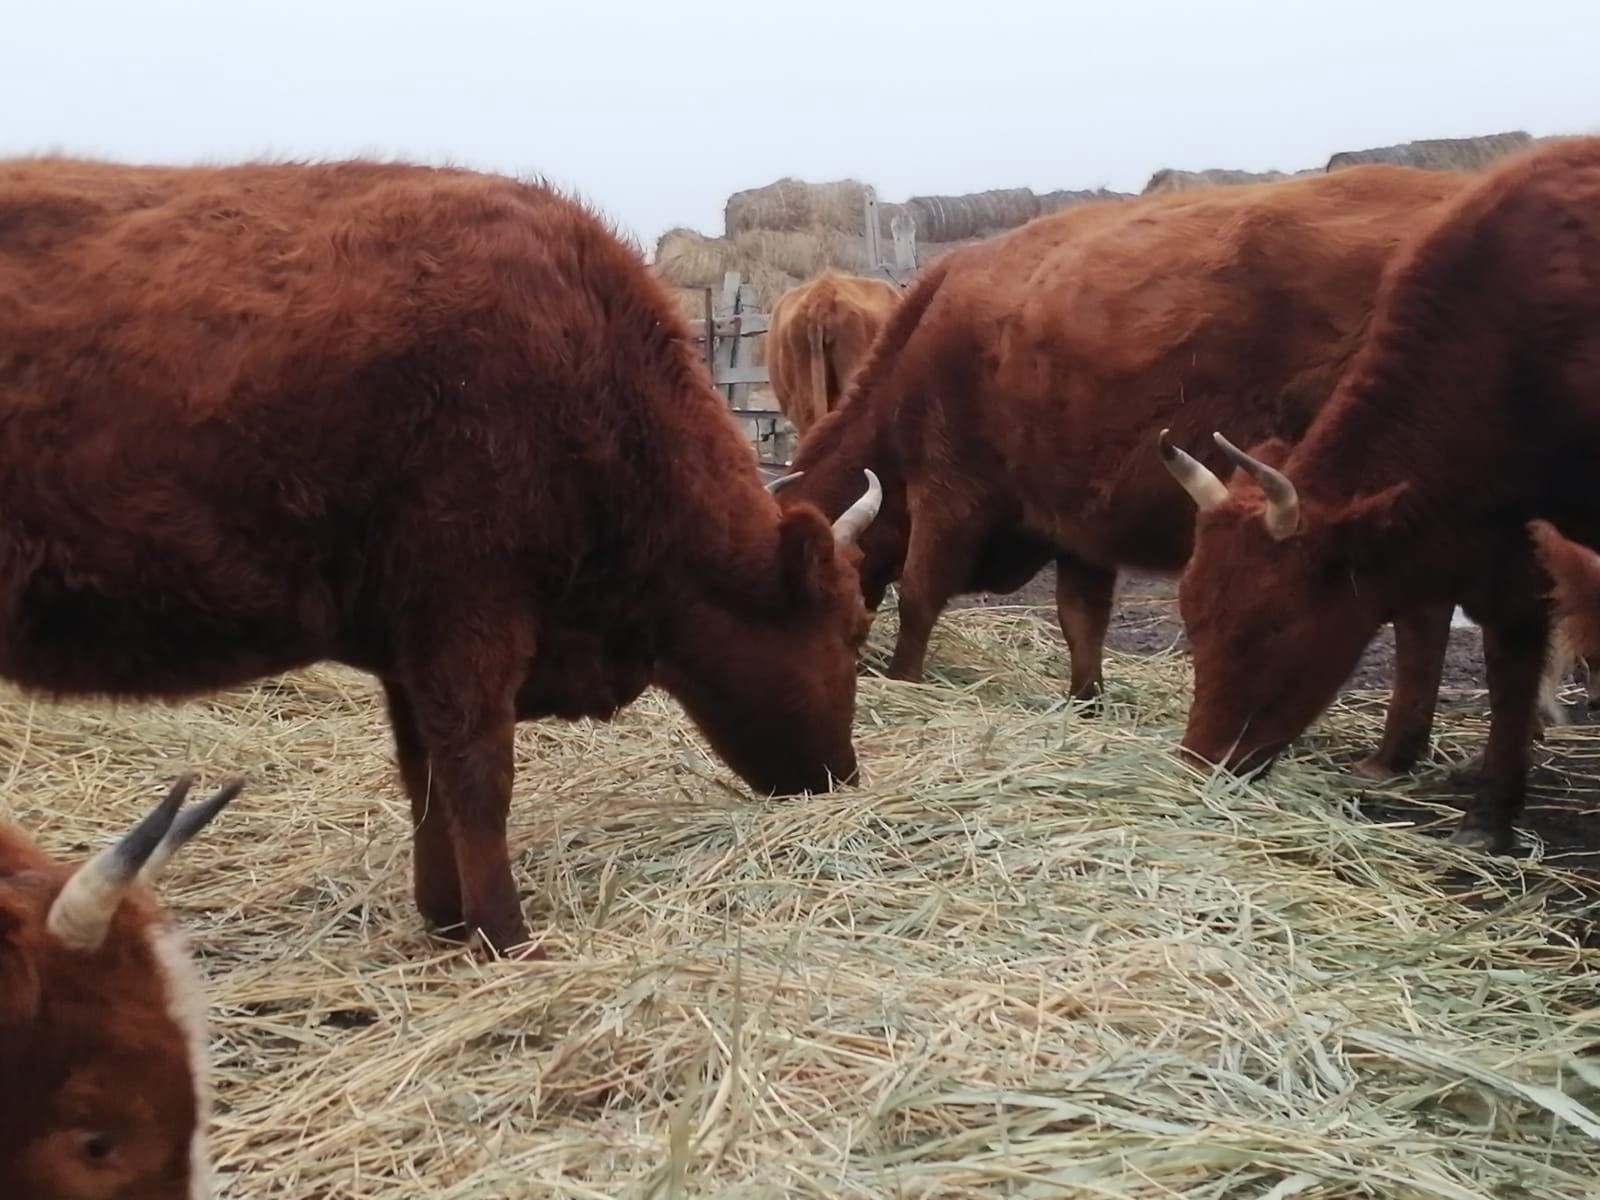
[1032, 957]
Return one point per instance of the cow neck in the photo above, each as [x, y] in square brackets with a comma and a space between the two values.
[837, 454]
[1398, 420]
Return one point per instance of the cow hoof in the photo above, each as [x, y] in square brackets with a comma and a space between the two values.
[1377, 769]
[1488, 841]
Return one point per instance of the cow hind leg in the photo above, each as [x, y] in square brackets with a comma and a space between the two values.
[466, 715]
[1421, 641]
[436, 884]
[1083, 606]
[1514, 658]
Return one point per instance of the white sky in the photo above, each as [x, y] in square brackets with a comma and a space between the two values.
[656, 111]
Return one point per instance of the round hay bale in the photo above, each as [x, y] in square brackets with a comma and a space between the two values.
[1051, 202]
[793, 204]
[930, 252]
[953, 218]
[1439, 154]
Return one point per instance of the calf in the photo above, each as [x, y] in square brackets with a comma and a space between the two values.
[103, 1082]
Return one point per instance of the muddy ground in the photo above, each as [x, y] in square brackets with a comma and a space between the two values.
[1564, 794]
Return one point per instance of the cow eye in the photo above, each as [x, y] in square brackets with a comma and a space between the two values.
[97, 1147]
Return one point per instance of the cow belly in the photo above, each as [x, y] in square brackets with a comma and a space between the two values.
[79, 642]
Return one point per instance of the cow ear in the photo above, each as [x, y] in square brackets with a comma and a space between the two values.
[805, 553]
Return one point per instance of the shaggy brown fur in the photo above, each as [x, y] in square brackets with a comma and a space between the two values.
[441, 426]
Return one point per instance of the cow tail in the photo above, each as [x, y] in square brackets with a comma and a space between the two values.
[819, 372]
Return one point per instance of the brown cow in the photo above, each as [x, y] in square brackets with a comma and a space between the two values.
[103, 1075]
[817, 335]
[1012, 401]
[440, 426]
[1472, 406]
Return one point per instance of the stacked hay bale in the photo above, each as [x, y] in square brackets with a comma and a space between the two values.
[1171, 179]
[789, 231]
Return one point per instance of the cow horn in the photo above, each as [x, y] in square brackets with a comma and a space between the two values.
[81, 914]
[783, 481]
[188, 823]
[1283, 503]
[1197, 479]
[854, 520]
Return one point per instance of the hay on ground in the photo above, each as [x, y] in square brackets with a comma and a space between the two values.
[1032, 955]
[1439, 154]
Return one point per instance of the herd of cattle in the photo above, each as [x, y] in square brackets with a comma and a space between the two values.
[446, 428]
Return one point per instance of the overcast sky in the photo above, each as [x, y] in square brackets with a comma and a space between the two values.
[656, 111]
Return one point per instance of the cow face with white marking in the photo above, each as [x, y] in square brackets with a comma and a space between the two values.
[103, 1088]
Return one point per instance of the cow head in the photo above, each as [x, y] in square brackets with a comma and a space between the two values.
[771, 684]
[881, 545]
[1574, 570]
[103, 1090]
[1277, 600]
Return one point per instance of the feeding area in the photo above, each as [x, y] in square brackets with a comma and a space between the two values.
[1033, 955]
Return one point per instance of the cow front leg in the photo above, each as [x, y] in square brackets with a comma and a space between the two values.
[1083, 607]
[940, 558]
[435, 884]
[463, 698]
[1421, 641]
[1514, 661]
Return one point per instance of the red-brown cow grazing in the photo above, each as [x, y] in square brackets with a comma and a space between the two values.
[440, 426]
[103, 1080]
[1472, 406]
[1011, 404]
[817, 336]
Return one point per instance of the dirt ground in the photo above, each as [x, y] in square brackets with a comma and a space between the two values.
[1146, 622]
[1564, 793]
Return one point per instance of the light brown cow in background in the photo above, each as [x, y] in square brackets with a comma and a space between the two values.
[818, 335]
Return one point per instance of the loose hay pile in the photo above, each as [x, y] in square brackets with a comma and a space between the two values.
[1034, 957]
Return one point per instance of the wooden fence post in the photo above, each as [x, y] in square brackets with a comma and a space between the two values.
[904, 229]
[869, 221]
